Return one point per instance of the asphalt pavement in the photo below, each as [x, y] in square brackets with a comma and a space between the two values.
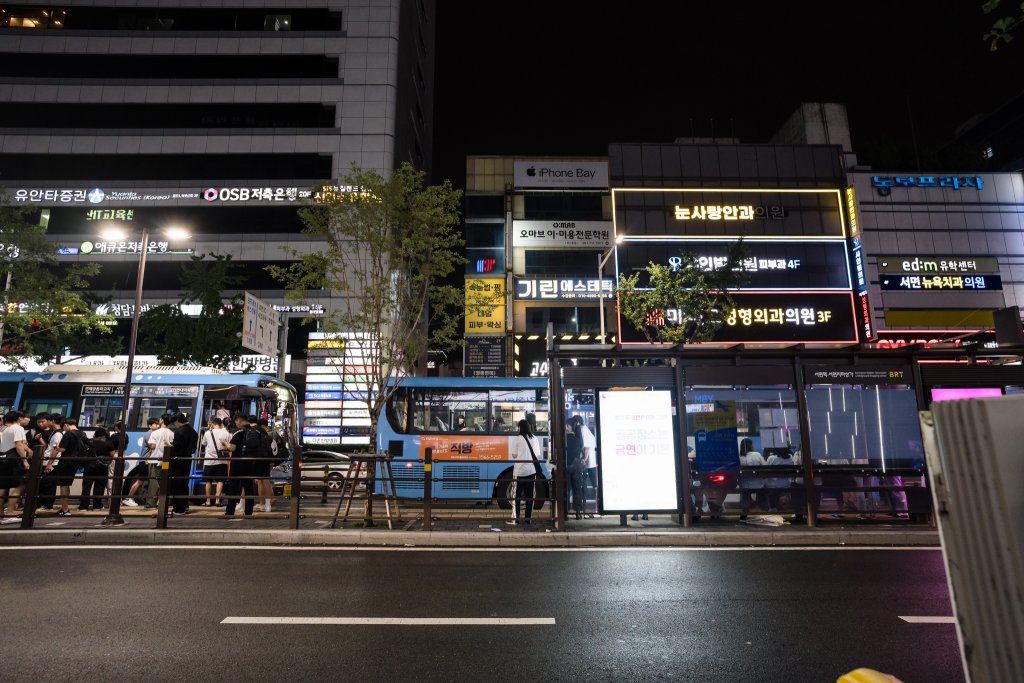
[760, 615]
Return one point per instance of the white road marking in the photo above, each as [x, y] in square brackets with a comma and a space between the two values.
[473, 549]
[393, 621]
[929, 620]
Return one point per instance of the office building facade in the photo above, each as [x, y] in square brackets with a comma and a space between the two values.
[215, 117]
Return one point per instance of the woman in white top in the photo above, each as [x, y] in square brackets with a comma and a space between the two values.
[750, 458]
[524, 450]
[215, 469]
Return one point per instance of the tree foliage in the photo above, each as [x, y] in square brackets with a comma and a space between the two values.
[46, 304]
[1002, 30]
[386, 251]
[213, 338]
[685, 303]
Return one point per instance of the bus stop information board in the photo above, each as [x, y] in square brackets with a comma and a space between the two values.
[637, 453]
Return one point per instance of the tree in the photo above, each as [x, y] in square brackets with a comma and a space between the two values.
[388, 246]
[46, 305]
[1002, 29]
[212, 338]
[685, 303]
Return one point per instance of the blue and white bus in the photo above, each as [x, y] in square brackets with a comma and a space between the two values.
[469, 423]
[95, 395]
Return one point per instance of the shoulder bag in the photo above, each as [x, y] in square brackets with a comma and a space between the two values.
[536, 462]
[12, 454]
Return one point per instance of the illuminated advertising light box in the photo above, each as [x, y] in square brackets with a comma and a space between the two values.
[323, 395]
[727, 212]
[321, 440]
[355, 440]
[767, 317]
[769, 264]
[322, 413]
[937, 265]
[941, 283]
[322, 422]
[323, 404]
[323, 386]
[637, 451]
[321, 431]
[959, 393]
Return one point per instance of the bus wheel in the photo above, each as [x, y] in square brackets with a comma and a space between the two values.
[504, 488]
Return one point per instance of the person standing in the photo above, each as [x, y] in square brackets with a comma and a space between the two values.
[263, 466]
[94, 478]
[45, 429]
[590, 454]
[215, 462]
[139, 476]
[524, 451]
[69, 459]
[14, 464]
[183, 446]
[244, 447]
[576, 466]
[222, 413]
[750, 458]
[158, 442]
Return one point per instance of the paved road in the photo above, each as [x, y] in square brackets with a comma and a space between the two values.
[155, 614]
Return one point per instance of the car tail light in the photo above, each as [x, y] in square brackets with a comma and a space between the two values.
[717, 478]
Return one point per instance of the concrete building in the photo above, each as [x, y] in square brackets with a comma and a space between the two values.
[213, 116]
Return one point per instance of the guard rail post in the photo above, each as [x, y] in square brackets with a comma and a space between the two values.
[294, 499]
[35, 472]
[557, 513]
[428, 487]
[162, 484]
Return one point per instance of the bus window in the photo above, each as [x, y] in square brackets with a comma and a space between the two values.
[449, 411]
[155, 407]
[508, 407]
[398, 411]
[96, 410]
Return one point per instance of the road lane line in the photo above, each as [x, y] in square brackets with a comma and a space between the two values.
[393, 621]
[929, 620]
[475, 549]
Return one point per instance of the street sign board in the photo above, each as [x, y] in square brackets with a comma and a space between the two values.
[260, 326]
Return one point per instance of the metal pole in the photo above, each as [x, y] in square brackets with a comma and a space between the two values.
[428, 486]
[114, 517]
[810, 491]
[282, 346]
[35, 472]
[600, 299]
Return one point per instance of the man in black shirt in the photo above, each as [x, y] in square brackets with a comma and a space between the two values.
[184, 446]
[244, 446]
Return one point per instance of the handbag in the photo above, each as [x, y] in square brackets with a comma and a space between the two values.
[536, 462]
[11, 454]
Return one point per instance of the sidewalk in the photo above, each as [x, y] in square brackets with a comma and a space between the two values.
[272, 529]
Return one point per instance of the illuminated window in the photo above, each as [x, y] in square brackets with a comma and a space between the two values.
[277, 22]
[32, 17]
[987, 152]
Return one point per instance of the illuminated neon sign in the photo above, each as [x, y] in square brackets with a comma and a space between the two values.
[885, 184]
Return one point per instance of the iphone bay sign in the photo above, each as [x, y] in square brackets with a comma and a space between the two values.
[563, 174]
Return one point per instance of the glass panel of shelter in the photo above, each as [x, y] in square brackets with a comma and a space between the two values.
[868, 454]
[744, 448]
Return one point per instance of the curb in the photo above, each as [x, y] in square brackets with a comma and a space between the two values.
[457, 539]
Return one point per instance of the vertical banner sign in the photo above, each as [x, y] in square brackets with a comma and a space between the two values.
[485, 305]
[259, 326]
[715, 437]
[638, 451]
[860, 278]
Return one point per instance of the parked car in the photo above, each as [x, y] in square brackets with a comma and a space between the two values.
[322, 472]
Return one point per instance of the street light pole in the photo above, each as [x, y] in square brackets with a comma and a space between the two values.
[114, 517]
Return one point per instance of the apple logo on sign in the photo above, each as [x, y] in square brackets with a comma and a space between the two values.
[531, 171]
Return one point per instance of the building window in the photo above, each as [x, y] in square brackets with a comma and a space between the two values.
[565, 320]
[563, 262]
[987, 152]
[278, 22]
[32, 17]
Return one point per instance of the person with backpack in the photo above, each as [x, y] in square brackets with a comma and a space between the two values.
[14, 464]
[68, 459]
[268, 453]
[215, 461]
[245, 447]
[46, 427]
[98, 454]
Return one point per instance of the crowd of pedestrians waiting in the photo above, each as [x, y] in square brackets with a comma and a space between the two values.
[235, 458]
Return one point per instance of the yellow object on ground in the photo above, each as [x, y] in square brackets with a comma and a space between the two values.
[867, 676]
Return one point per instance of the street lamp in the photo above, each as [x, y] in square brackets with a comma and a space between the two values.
[602, 259]
[114, 517]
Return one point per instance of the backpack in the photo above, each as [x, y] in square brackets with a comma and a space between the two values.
[278, 448]
[86, 449]
[252, 443]
[104, 460]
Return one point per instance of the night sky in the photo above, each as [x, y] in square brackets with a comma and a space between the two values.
[564, 78]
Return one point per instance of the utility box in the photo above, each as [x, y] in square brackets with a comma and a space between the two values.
[975, 453]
